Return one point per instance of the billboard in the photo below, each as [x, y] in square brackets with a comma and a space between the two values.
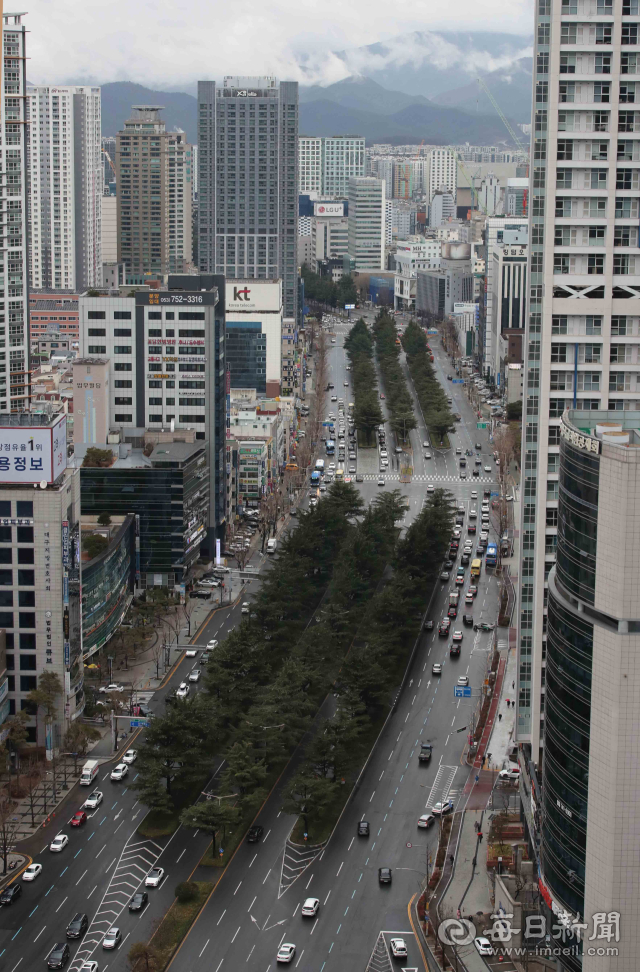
[33, 454]
[328, 209]
[253, 295]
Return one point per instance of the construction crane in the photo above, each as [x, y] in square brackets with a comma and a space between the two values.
[111, 165]
[505, 120]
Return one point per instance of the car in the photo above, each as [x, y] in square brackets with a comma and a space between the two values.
[480, 550]
[473, 589]
[212, 645]
[463, 474]
[220, 569]
[476, 472]
[444, 576]
[182, 691]
[485, 508]
[436, 668]
[254, 834]
[209, 585]
[381, 481]
[384, 875]
[456, 534]
[90, 966]
[427, 455]
[112, 687]
[459, 580]
[32, 872]
[359, 478]
[447, 565]
[154, 877]
[425, 445]
[487, 469]
[138, 901]
[194, 676]
[93, 801]
[112, 938]
[58, 956]
[467, 619]
[430, 488]
[478, 445]
[449, 377]
[478, 461]
[441, 808]
[443, 627]
[483, 626]
[58, 843]
[511, 774]
[310, 907]
[286, 952]
[468, 598]
[334, 398]
[78, 925]
[457, 636]
[79, 818]
[346, 384]
[119, 772]
[428, 625]
[130, 756]
[465, 558]
[473, 513]
[398, 948]
[458, 451]
[398, 450]
[426, 751]
[426, 820]
[474, 494]
[10, 894]
[463, 680]
[381, 394]
[483, 945]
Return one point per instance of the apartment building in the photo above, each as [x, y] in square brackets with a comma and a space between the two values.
[443, 171]
[310, 164]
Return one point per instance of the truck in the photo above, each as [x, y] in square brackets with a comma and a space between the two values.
[320, 466]
[454, 597]
[271, 546]
[315, 478]
[491, 557]
[89, 772]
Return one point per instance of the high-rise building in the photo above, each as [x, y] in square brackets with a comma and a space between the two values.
[442, 208]
[403, 180]
[342, 158]
[443, 171]
[367, 223]
[583, 329]
[310, 164]
[498, 231]
[153, 175]
[248, 179]
[508, 304]
[64, 161]
[579, 802]
[14, 282]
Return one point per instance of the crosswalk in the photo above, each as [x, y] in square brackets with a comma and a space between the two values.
[441, 785]
[424, 478]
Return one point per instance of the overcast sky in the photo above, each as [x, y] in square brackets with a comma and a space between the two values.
[165, 44]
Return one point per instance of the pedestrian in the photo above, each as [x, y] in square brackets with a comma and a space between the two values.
[499, 716]
[508, 703]
[513, 685]
[480, 836]
[451, 859]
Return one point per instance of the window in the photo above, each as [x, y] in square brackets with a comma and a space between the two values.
[558, 353]
[191, 316]
[122, 349]
[27, 619]
[97, 332]
[27, 663]
[123, 417]
[155, 332]
[190, 333]
[191, 351]
[122, 383]
[25, 534]
[122, 332]
[25, 555]
[122, 366]
[123, 401]
[122, 315]
[97, 349]
[154, 316]
[96, 316]
[155, 401]
[192, 418]
[155, 418]
[26, 599]
[619, 325]
[28, 683]
[24, 508]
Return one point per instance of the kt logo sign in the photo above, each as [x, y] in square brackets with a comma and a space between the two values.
[241, 294]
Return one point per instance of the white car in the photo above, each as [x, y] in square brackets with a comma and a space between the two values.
[425, 445]
[130, 756]
[287, 950]
[381, 481]
[426, 820]
[310, 907]
[245, 606]
[154, 877]
[473, 513]
[398, 948]
[474, 494]
[90, 966]
[194, 676]
[32, 872]
[183, 691]
[487, 469]
[212, 583]
[93, 801]
[509, 774]
[59, 843]
[191, 653]
[430, 488]
[212, 644]
[483, 945]
[463, 680]
[113, 687]
[120, 771]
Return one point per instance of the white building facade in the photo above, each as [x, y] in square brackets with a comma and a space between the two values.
[310, 164]
[367, 223]
[443, 172]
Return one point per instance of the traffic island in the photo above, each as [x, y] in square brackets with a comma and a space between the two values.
[176, 923]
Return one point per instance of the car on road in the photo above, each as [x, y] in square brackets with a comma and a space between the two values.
[473, 589]
[444, 576]
[138, 901]
[483, 945]
[130, 756]
[476, 472]
[398, 948]
[210, 584]
[58, 956]
[384, 875]
[381, 394]
[94, 800]
[58, 843]
[310, 907]
[441, 808]
[346, 384]
[10, 894]
[426, 820]
[483, 626]
[32, 872]
[79, 818]
[190, 653]
[194, 676]
[443, 627]
[467, 619]
[90, 966]
[427, 455]
[436, 668]
[286, 952]
[426, 751]
[457, 636]
[449, 377]
[463, 680]
[119, 772]
[487, 469]
[430, 488]
[359, 478]
[468, 598]
[182, 691]
[211, 645]
[474, 494]
[381, 481]
[254, 834]
[78, 925]
[112, 687]
[478, 445]
[428, 625]
[425, 445]
[154, 877]
[513, 774]
[459, 580]
[113, 938]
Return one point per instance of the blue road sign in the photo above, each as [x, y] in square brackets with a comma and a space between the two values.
[139, 723]
[462, 691]
[458, 381]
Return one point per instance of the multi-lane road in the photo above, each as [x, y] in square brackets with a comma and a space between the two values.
[250, 914]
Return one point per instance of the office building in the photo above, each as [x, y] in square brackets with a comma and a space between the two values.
[109, 229]
[403, 180]
[54, 315]
[367, 223]
[14, 281]
[5, 702]
[310, 164]
[411, 256]
[39, 544]
[64, 161]
[442, 171]
[516, 197]
[330, 235]
[438, 290]
[248, 178]
[153, 175]
[583, 333]
[442, 208]
[343, 157]
[108, 579]
[254, 335]
[580, 804]
[508, 306]
[498, 231]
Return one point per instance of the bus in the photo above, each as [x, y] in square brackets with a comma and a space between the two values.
[339, 475]
[330, 447]
[315, 478]
[491, 558]
[475, 567]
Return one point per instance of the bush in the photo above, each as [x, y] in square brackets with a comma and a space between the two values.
[97, 458]
[186, 891]
[95, 544]
[104, 519]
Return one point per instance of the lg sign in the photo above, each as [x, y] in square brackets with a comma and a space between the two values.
[328, 209]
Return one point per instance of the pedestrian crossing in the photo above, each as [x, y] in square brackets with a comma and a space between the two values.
[424, 478]
[441, 786]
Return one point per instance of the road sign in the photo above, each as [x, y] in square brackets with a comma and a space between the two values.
[409, 844]
[457, 381]
[349, 306]
[139, 723]
[462, 691]
[481, 425]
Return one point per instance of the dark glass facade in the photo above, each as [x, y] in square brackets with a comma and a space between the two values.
[247, 355]
[107, 584]
[578, 522]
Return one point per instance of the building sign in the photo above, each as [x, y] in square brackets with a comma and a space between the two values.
[156, 298]
[253, 295]
[173, 341]
[579, 440]
[32, 454]
[65, 543]
[328, 209]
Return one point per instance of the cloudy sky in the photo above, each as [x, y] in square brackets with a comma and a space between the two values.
[168, 45]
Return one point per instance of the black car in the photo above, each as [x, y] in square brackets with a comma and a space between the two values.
[363, 828]
[138, 901]
[428, 625]
[58, 956]
[478, 445]
[255, 833]
[424, 756]
[384, 875]
[77, 926]
[448, 564]
[10, 894]
[467, 619]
